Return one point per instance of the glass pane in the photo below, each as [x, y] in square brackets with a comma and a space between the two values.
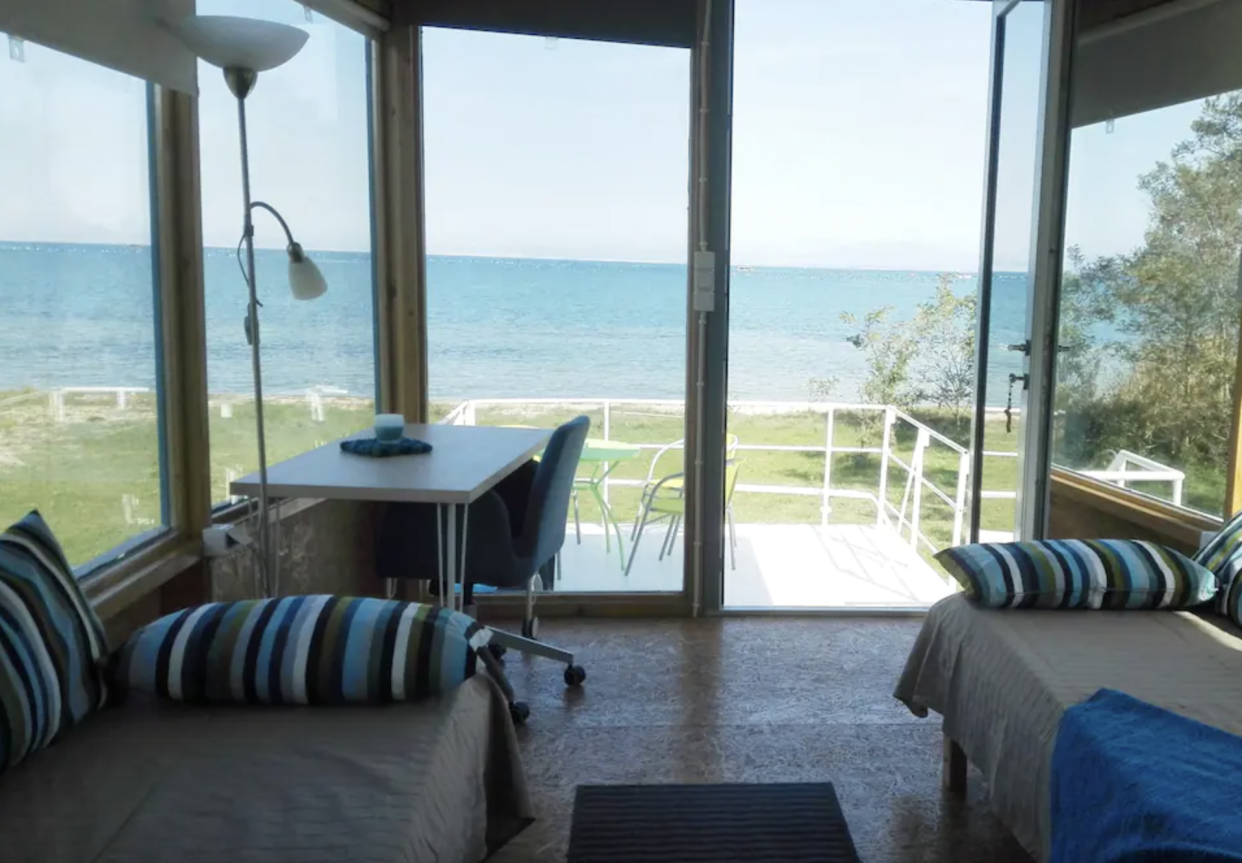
[79, 422]
[309, 158]
[556, 231]
[1149, 306]
[851, 307]
[1012, 267]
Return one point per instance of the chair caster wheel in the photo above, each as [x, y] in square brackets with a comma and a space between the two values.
[498, 651]
[519, 712]
[530, 628]
[575, 675]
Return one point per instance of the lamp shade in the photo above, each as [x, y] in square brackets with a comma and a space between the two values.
[305, 280]
[241, 43]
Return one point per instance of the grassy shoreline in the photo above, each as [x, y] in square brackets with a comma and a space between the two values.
[95, 472]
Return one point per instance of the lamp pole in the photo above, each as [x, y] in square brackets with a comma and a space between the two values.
[241, 81]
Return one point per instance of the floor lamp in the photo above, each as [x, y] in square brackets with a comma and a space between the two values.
[244, 47]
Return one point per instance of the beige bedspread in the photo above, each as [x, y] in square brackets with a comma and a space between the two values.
[153, 781]
[1001, 680]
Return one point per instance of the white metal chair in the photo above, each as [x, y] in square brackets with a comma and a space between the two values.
[671, 505]
[671, 488]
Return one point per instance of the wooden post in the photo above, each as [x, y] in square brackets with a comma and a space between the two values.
[400, 235]
[183, 326]
[953, 779]
[1233, 475]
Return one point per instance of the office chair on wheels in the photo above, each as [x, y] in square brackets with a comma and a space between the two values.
[513, 540]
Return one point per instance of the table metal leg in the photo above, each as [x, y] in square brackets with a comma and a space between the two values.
[461, 575]
[449, 573]
[440, 544]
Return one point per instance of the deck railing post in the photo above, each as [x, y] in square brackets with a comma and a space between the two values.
[959, 501]
[920, 448]
[607, 436]
[886, 448]
[825, 507]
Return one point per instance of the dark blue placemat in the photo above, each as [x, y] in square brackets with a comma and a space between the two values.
[369, 446]
[779, 823]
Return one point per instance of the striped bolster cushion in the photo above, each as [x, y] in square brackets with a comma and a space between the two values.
[52, 645]
[303, 650]
[1223, 555]
[1072, 573]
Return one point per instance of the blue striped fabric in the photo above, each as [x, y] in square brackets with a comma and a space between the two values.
[1223, 555]
[1072, 573]
[1233, 601]
[52, 644]
[303, 650]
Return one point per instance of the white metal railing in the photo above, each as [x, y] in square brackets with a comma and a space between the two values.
[56, 397]
[1118, 472]
[906, 519]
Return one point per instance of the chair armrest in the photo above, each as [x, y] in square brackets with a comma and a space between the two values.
[681, 492]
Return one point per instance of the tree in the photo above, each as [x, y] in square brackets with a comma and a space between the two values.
[1174, 302]
[944, 330]
[889, 350]
[927, 360]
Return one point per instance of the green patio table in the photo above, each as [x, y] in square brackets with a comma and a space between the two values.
[603, 456]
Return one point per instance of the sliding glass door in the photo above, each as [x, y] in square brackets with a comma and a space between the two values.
[1019, 271]
[851, 301]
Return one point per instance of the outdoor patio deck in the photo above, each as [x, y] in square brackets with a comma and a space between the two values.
[778, 566]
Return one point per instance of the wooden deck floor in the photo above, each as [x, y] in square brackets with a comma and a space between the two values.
[778, 566]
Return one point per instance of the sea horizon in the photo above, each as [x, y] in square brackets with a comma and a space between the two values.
[498, 327]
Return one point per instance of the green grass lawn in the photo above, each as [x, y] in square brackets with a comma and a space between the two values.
[95, 473]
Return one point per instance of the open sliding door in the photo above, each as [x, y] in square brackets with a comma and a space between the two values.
[1019, 269]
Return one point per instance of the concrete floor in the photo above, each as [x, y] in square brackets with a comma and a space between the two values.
[777, 566]
[747, 700]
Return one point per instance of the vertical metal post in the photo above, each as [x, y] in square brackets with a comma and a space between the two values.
[710, 340]
[916, 471]
[886, 449]
[604, 466]
[825, 507]
[959, 502]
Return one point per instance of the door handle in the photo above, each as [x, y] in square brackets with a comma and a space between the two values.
[1021, 347]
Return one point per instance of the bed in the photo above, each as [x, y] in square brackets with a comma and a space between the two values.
[1002, 679]
[438, 780]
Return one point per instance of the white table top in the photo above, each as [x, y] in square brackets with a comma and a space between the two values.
[464, 462]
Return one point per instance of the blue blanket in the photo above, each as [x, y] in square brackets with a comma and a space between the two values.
[1134, 782]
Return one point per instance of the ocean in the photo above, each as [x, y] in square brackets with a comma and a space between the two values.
[81, 315]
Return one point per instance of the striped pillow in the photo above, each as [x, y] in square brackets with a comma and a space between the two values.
[1223, 555]
[303, 650]
[1073, 573]
[51, 643]
[1232, 602]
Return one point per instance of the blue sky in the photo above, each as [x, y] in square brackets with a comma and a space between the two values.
[859, 134]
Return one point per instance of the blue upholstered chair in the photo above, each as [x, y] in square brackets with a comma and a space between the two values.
[514, 535]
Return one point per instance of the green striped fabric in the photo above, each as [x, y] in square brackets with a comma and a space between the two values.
[51, 643]
[303, 650]
[1223, 555]
[1073, 573]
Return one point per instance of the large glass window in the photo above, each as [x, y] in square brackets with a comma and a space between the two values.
[79, 410]
[557, 210]
[309, 158]
[1149, 306]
